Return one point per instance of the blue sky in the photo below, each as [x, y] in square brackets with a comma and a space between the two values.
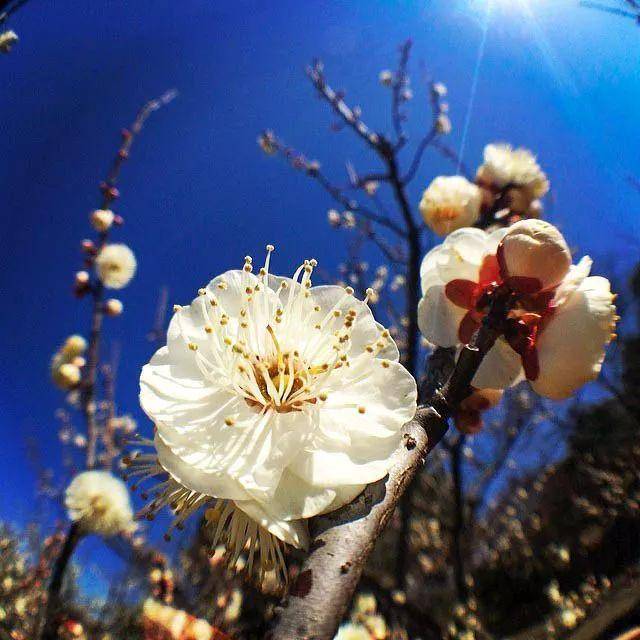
[198, 195]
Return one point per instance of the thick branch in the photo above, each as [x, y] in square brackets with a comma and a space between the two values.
[344, 539]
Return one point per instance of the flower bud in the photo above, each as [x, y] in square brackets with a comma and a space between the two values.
[82, 277]
[449, 203]
[468, 418]
[333, 217]
[534, 255]
[386, 78]
[102, 219]
[443, 124]
[74, 345]
[7, 40]
[113, 307]
[66, 376]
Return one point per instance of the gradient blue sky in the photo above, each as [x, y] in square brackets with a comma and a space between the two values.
[197, 194]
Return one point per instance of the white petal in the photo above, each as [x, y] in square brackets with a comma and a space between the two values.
[334, 468]
[295, 498]
[438, 318]
[294, 532]
[211, 483]
[344, 495]
[500, 368]
[429, 268]
[465, 250]
[571, 347]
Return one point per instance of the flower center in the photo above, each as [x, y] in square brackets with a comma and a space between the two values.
[526, 319]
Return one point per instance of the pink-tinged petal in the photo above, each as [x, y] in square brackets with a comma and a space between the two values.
[439, 318]
[500, 368]
[462, 293]
[571, 346]
[489, 270]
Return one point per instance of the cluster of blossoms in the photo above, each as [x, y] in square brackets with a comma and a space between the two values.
[271, 406]
[465, 624]
[509, 183]
[23, 576]
[162, 622]
[67, 363]
[570, 609]
[365, 622]
[99, 503]
[559, 318]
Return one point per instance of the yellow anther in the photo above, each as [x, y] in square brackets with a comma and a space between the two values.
[208, 329]
[362, 410]
[229, 422]
[202, 292]
[193, 346]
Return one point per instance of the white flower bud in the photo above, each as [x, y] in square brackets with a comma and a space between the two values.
[439, 88]
[333, 217]
[74, 345]
[386, 78]
[82, 277]
[449, 203]
[535, 250]
[116, 266]
[66, 376]
[102, 219]
[443, 124]
[113, 307]
[7, 40]
[99, 502]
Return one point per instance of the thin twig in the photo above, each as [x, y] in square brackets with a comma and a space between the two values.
[109, 194]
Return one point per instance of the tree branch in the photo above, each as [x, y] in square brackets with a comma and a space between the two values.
[343, 540]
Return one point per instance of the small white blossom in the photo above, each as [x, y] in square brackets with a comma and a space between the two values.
[443, 124]
[102, 219]
[99, 502]
[113, 307]
[386, 78]
[439, 88]
[505, 166]
[449, 203]
[271, 406]
[116, 266]
[333, 217]
[7, 40]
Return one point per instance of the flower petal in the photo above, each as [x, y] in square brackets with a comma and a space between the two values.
[500, 368]
[438, 318]
[571, 347]
[293, 532]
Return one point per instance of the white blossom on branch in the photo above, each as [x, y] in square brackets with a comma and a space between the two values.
[271, 405]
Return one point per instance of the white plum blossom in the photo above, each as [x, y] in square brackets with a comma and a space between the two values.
[116, 266]
[505, 166]
[449, 203]
[555, 336]
[99, 503]
[272, 404]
